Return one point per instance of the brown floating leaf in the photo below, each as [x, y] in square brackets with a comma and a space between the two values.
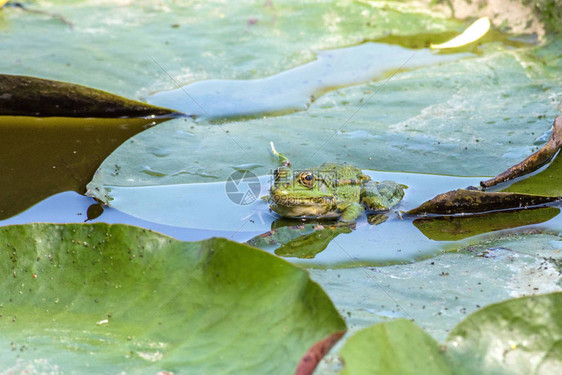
[310, 360]
[30, 96]
[471, 201]
[533, 162]
[547, 182]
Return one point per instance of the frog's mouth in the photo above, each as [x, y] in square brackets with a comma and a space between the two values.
[304, 207]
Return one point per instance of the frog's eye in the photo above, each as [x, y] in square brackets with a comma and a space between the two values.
[306, 178]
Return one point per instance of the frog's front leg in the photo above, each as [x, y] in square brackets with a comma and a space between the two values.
[351, 211]
[381, 196]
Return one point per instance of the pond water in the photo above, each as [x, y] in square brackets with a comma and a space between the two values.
[350, 81]
[397, 240]
[370, 94]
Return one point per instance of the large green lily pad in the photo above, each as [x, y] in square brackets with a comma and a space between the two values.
[293, 90]
[112, 45]
[406, 124]
[397, 347]
[109, 298]
[518, 336]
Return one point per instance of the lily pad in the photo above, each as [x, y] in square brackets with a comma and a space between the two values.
[293, 90]
[112, 46]
[440, 292]
[30, 96]
[522, 194]
[104, 298]
[518, 336]
[534, 162]
[396, 347]
[405, 123]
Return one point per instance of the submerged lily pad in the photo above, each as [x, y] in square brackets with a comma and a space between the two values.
[44, 156]
[518, 336]
[104, 298]
[453, 228]
[30, 96]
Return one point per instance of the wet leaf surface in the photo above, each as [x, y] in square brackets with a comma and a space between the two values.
[535, 161]
[518, 336]
[471, 117]
[293, 90]
[396, 347]
[104, 298]
[522, 194]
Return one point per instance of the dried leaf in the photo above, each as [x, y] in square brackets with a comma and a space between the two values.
[472, 201]
[472, 33]
[310, 360]
[30, 96]
[533, 162]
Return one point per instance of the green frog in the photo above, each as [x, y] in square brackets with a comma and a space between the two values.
[332, 190]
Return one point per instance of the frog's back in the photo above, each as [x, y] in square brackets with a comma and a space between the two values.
[340, 170]
[345, 179]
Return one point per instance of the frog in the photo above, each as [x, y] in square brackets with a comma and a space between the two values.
[332, 190]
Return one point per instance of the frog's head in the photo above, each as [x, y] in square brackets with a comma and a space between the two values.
[301, 194]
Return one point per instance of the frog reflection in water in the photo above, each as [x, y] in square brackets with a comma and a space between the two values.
[331, 190]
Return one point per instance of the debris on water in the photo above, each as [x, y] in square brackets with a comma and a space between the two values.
[533, 162]
[94, 211]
